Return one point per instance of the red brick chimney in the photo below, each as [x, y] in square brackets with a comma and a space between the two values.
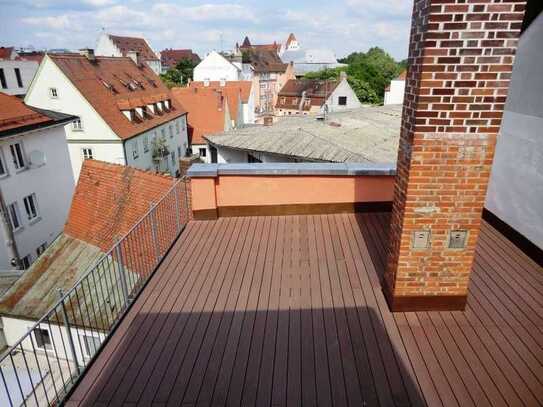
[461, 56]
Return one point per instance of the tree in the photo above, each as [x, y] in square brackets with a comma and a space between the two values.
[180, 75]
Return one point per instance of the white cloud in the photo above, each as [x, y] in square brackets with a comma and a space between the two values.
[206, 12]
[382, 7]
[99, 3]
[61, 22]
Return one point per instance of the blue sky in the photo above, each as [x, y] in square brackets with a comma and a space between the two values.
[341, 25]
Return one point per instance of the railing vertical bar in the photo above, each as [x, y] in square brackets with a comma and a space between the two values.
[105, 300]
[93, 305]
[81, 312]
[6, 387]
[82, 326]
[49, 362]
[97, 322]
[177, 210]
[60, 328]
[138, 253]
[42, 381]
[154, 233]
[28, 373]
[122, 276]
[69, 335]
[113, 295]
[132, 269]
[17, 378]
[77, 328]
[56, 352]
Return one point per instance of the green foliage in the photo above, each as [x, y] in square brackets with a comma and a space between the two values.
[370, 73]
[179, 75]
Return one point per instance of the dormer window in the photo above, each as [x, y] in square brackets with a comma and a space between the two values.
[167, 102]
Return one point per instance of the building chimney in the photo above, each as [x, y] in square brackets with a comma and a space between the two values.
[134, 56]
[461, 56]
[88, 53]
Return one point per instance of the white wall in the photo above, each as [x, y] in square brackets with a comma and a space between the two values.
[95, 130]
[15, 328]
[177, 144]
[396, 93]
[515, 193]
[215, 67]
[27, 70]
[105, 47]
[52, 182]
[343, 89]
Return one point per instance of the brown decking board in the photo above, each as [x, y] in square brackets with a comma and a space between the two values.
[289, 311]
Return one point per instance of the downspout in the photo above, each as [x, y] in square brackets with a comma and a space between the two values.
[5, 225]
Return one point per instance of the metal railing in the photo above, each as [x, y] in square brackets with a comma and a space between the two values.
[41, 367]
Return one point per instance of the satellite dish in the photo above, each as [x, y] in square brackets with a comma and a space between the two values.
[37, 158]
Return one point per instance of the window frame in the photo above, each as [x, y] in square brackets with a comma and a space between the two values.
[146, 143]
[86, 348]
[85, 155]
[340, 99]
[18, 77]
[30, 203]
[135, 150]
[41, 249]
[53, 93]
[18, 157]
[15, 214]
[3, 81]
[170, 131]
[45, 344]
[200, 149]
[77, 128]
[3, 165]
[26, 261]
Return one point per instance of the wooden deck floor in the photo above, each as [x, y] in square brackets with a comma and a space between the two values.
[288, 311]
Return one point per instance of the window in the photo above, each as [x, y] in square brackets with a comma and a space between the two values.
[146, 143]
[18, 76]
[252, 159]
[43, 338]
[92, 344]
[26, 261]
[179, 152]
[308, 102]
[41, 248]
[31, 207]
[342, 101]
[295, 101]
[202, 151]
[163, 132]
[172, 155]
[177, 130]
[77, 125]
[13, 210]
[17, 156]
[53, 93]
[3, 168]
[86, 152]
[283, 101]
[135, 150]
[170, 129]
[3, 79]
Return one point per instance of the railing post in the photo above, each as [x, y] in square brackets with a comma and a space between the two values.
[187, 209]
[154, 231]
[177, 209]
[69, 331]
[122, 275]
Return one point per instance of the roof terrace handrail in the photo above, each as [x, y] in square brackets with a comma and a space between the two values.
[123, 270]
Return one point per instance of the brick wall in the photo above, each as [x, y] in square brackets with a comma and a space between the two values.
[461, 56]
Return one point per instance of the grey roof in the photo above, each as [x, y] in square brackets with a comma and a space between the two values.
[311, 60]
[365, 135]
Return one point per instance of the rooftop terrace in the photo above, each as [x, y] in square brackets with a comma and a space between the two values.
[289, 310]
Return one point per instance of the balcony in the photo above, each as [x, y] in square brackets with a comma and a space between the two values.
[275, 299]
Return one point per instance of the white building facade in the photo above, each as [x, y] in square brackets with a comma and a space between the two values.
[16, 76]
[394, 94]
[36, 184]
[92, 136]
[215, 67]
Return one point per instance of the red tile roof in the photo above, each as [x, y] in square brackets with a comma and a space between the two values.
[14, 115]
[264, 60]
[317, 91]
[32, 56]
[205, 111]
[241, 87]
[171, 57]
[126, 44]
[5, 52]
[261, 47]
[110, 199]
[111, 84]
